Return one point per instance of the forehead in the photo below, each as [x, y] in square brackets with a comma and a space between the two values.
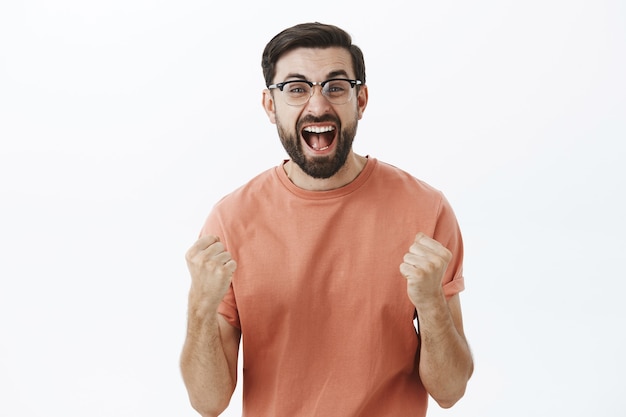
[315, 64]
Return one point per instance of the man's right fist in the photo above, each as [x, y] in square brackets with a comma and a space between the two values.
[211, 269]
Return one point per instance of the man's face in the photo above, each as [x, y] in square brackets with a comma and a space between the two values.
[317, 135]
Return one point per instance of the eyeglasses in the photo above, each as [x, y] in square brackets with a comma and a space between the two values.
[298, 92]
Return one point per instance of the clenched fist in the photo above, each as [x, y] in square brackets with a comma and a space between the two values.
[211, 269]
[423, 267]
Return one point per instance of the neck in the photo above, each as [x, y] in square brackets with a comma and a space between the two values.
[348, 172]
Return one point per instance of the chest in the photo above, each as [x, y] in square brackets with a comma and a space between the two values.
[314, 268]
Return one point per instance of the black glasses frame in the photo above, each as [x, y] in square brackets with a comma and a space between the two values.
[282, 85]
[311, 84]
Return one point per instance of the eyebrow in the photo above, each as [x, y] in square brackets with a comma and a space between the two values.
[332, 74]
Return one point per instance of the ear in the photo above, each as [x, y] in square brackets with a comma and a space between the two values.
[361, 100]
[268, 105]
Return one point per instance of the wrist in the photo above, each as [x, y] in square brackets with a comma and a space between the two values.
[202, 308]
[429, 300]
[434, 306]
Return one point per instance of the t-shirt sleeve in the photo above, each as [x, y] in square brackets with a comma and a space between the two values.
[448, 233]
[228, 306]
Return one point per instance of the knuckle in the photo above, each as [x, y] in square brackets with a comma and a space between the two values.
[437, 265]
[209, 238]
[191, 252]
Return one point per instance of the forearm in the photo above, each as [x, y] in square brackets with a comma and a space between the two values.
[445, 363]
[205, 368]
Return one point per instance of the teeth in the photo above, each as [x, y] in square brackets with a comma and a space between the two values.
[318, 129]
[323, 149]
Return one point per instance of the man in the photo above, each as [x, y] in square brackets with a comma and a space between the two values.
[322, 264]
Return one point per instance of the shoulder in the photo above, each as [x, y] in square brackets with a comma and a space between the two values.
[259, 187]
[243, 202]
[397, 180]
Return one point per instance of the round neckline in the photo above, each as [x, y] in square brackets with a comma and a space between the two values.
[365, 173]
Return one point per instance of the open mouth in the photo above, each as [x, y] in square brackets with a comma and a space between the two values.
[319, 138]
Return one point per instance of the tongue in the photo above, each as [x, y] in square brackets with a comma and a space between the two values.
[318, 142]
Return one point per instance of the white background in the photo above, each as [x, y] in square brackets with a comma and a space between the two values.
[122, 122]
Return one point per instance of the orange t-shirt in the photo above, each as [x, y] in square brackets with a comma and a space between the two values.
[327, 325]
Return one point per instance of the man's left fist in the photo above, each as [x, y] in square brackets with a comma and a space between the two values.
[423, 267]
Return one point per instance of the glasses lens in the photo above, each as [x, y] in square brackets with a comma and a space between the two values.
[337, 91]
[296, 92]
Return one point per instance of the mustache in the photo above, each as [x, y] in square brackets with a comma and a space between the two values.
[314, 119]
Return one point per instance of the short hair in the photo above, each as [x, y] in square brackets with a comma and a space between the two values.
[310, 35]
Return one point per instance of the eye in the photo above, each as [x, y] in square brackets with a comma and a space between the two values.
[296, 88]
[337, 88]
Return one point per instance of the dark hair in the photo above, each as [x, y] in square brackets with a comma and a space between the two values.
[310, 35]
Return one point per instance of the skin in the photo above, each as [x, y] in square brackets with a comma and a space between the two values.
[445, 363]
[316, 65]
[209, 357]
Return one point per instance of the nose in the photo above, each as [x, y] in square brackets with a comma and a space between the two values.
[317, 103]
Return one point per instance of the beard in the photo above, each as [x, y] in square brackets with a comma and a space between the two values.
[320, 167]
